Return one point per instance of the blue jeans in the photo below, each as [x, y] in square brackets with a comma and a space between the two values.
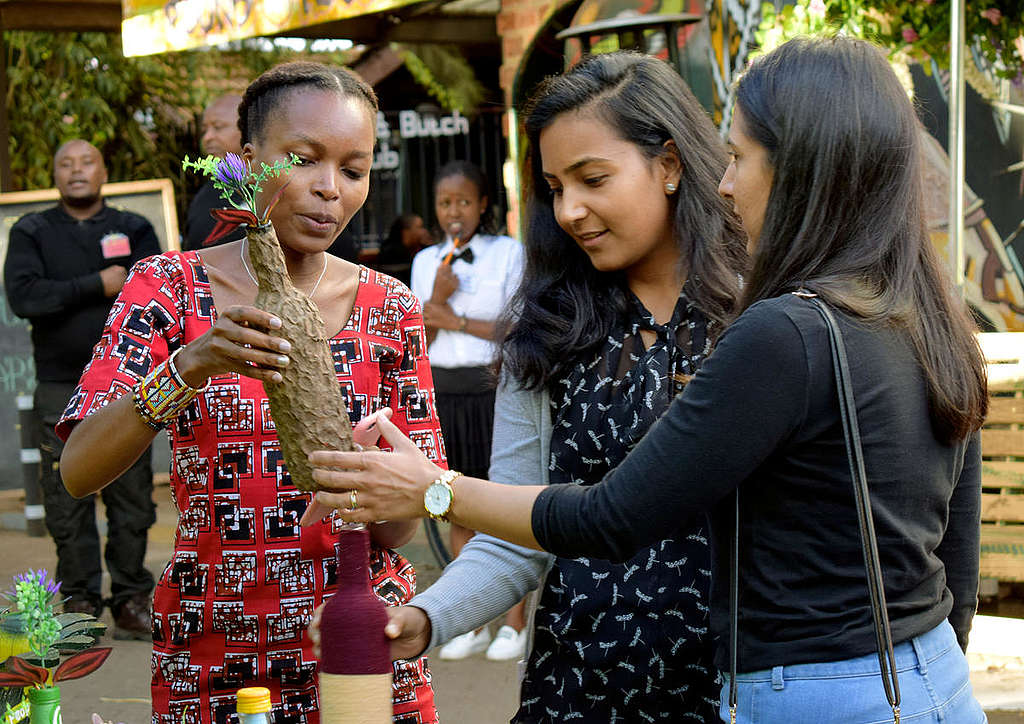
[933, 678]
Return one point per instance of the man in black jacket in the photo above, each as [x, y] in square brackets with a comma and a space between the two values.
[64, 267]
[220, 136]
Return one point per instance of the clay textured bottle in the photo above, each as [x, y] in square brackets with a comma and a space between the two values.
[308, 409]
[355, 662]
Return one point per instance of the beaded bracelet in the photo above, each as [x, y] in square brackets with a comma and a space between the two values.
[163, 394]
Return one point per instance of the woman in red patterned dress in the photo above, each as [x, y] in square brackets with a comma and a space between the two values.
[232, 606]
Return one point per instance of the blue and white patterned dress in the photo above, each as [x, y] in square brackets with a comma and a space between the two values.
[625, 642]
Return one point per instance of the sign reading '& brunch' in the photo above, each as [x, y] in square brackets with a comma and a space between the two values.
[412, 124]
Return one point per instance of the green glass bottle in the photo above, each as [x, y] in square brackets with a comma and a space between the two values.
[44, 705]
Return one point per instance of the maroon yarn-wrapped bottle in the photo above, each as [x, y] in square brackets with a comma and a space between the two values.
[355, 662]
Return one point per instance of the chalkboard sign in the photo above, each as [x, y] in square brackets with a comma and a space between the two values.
[17, 377]
[153, 199]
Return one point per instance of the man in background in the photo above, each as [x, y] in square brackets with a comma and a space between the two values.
[64, 267]
[220, 136]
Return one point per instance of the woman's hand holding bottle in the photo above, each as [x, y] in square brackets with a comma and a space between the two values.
[241, 341]
[408, 628]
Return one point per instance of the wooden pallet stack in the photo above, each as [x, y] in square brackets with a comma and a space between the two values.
[1002, 449]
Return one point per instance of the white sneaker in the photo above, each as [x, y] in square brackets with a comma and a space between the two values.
[507, 645]
[466, 645]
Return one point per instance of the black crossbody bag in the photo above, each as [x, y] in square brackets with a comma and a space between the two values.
[869, 545]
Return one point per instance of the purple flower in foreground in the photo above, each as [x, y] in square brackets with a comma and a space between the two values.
[232, 170]
[39, 578]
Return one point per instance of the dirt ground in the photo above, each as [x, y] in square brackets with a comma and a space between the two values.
[473, 691]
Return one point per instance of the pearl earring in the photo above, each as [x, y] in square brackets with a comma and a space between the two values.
[670, 188]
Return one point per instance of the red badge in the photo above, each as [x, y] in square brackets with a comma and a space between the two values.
[115, 244]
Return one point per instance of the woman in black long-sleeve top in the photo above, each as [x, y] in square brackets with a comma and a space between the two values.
[825, 177]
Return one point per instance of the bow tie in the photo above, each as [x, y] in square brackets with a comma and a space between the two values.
[466, 255]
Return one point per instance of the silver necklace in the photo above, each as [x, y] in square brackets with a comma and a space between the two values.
[241, 255]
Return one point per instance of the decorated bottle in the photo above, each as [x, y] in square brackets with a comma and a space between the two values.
[355, 655]
[44, 705]
[309, 414]
[253, 705]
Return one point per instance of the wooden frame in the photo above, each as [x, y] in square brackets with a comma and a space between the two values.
[153, 198]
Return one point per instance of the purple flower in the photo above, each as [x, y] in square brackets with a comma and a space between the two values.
[910, 35]
[39, 578]
[232, 170]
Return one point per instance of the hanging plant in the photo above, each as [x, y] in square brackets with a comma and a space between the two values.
[915, 30]
[445, 74]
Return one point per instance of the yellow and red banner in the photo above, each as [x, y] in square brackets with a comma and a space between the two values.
[158, 26]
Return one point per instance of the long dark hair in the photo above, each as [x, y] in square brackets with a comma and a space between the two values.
[565, 308]
[845, 214]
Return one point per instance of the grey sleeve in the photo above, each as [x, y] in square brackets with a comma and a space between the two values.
[491, 575]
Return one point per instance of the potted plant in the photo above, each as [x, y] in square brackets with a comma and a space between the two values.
[40, 648]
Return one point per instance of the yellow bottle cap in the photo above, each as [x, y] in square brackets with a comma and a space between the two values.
[253, 700]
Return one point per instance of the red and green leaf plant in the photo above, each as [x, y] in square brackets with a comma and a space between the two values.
[39, 638]
[915, 30]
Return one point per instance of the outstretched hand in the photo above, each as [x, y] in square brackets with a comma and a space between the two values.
[387, 485]
[408, 628]
[365, 436]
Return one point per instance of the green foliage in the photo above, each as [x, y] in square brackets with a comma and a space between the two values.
[142, 113]
[911, 29]
[78, 85]
[76, 632]
[446, 75]
[32, 599]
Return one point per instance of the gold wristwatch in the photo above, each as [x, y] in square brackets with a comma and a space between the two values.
[439, 495]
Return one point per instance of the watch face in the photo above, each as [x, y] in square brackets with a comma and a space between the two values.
[437, 499]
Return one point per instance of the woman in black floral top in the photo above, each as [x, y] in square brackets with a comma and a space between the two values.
[623, 160]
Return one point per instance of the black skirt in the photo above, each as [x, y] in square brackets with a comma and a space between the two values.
[465, 407]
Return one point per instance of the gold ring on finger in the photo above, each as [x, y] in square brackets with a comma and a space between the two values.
[352, 502]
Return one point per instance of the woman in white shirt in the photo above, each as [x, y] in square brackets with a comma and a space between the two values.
[464, 284]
